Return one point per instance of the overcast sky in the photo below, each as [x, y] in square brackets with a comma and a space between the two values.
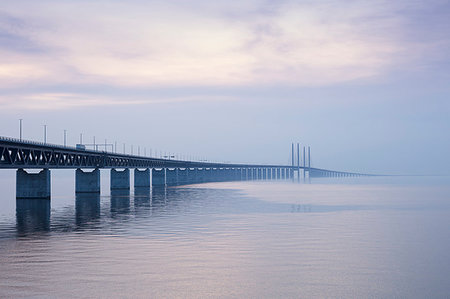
[365, 83]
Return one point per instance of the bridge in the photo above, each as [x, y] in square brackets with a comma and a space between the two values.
[148, 171]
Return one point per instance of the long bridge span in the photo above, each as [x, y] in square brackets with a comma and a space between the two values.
[20, 154]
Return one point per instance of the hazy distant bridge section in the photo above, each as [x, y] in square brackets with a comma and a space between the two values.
[20, 155]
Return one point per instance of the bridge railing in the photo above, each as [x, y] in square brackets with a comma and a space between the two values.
[68, 147]
[39, 143]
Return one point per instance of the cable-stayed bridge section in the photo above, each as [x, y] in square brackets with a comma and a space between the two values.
[148, 171]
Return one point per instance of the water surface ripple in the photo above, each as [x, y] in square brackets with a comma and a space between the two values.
[328, 239]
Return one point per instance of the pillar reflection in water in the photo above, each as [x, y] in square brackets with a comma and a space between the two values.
[87, 208]
[32, 215]
[120, 201]
[142, 197]
[159, 196]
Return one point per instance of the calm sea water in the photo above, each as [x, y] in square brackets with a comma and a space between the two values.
[332, 238]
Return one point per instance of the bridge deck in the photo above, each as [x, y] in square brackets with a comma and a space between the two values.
[16, 153]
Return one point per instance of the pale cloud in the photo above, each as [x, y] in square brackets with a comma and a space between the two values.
[137, 44]
[62, 101]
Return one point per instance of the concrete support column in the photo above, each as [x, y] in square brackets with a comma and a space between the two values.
[220, 177]
[120, 179]
[158, 177]
[269, 173]
[192, 175]
[236, 174]
[33, 185]
[200, 175]
[171, 177]
[208, 174]
[142, 178]
[87, 182]
[264, 173]
[226, 174]
[283, 173]
[183, 177]
[230, 174]
[259, 175]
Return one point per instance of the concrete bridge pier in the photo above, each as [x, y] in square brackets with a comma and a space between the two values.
[87, 181]
[220, 175]
[158, 177]
[120, 179]
[200, 175]
[142, 178]
[225, 174]
[171, 177]
[269, 173]
[192, 175]
[33, 185]
[302, 174]
[207, 174]
[213, 175]
[183, 177]
[237, 174]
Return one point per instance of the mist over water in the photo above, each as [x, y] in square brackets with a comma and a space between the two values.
[357, 238]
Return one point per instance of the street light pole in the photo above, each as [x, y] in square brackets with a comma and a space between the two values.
[20, 134]
[65, 131]
[45, 133]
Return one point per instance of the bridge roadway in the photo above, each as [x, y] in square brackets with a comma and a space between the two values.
[21, 154]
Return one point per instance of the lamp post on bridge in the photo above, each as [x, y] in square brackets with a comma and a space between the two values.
[65, 132]
[20, 129]
[45, 133]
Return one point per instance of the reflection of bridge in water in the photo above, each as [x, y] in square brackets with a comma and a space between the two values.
[20, 155]
[93, 212]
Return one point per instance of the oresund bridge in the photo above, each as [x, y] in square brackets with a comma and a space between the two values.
[148, 171]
